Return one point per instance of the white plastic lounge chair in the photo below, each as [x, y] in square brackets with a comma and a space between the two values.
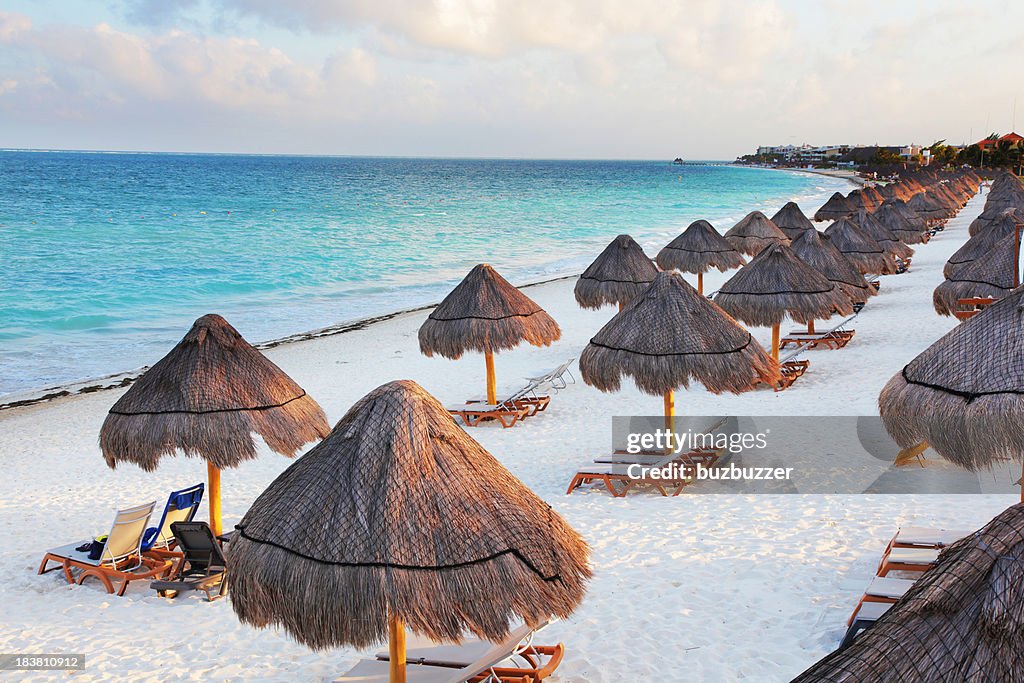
[120, 558]
[884, 590]
[528, 397]
[926, 537]
[526, 658]
[376, 670]
[556, 377]
[908, 560]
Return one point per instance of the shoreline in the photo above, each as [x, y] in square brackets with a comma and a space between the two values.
[124, 378]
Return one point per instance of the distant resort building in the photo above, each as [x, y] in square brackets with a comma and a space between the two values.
[1010, 140]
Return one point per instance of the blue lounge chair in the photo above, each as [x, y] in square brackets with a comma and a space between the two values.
[181, 507]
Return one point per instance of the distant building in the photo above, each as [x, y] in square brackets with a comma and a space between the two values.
[1010, 140]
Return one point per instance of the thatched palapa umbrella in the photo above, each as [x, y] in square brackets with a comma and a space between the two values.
[776, 284]
[487, 314]
[981, 245]
[902, 228]
[792, 221]
[964, 394]
[699, 249]
[963, 620]
[620, 273]
[400, 519]
[818, 252]
[860, 248]
[835, 208]
[883, 235]
[753, 233]
[670, 336]
[992, 276]
[206, 398]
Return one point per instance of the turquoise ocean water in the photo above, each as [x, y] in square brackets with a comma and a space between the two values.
[107, 258]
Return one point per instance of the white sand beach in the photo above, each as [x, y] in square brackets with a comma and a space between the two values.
[698, 587]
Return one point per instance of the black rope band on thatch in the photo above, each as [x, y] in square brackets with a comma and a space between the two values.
[680, 353]
[782, 291]
[410, 567]
[624, 282]
[969, 395]
[858, 251]
[207, 412]
[486, 317]
[700, 251]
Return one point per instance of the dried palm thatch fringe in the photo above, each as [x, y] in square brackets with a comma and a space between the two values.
[963, 620]
[619, 274]
[753, 233]
[987, 217]
[817, 251]
[670, 336]
[861, 249]
[776, 284]
[990, 276]
[980, 246]
[485, 313]
[964, 394]
[698, 249]
[883, 235]
[400, 512]
[835, 208]
[206, 398]
[792, 221]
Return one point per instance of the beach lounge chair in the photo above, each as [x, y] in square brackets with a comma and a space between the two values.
[790, 371]
[556, 377]
[120, 559]
[483, 669]
[668, 475]
[863, 618]
[526, 659]
[907, 560]
[971, 306]
[528, 397]
[473, 414]
[835, 338]
[882, 589]
[926, 537]
[181, 507]
[202, 566]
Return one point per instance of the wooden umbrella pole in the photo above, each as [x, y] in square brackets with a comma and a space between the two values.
[213, 477]
[670, 412]
[1016, 262]
[492, 388]
[810, 326]
[775, 341]
[700, 283]
[396, 649]
[620, 307]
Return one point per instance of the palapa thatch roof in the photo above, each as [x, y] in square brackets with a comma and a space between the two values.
[400, 512]
[776, 284]
[896, 222]
[835, 208]
[963, 620]
[206, 398]
[883, 235]
[989, 216]
[818, 252]
[485, 313]
[753, 233]
[981, 245]
[964, 394]
[860, 248]
[621, 272]
[927, 206]
[792, 221]
[670, 336]
[990, 276]
[698, 249]
[908, 214]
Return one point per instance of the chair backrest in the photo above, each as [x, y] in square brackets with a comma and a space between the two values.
[718, 423]
[200, 547]
[181, 507]
[125, 537]
[499, 652]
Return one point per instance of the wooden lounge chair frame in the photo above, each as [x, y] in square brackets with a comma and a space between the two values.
[869, 597]
[863, 618]
[619, 484]
[521, 404]
[971, 306]
[116, 564]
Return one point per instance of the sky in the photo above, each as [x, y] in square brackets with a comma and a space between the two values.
[636, 79]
